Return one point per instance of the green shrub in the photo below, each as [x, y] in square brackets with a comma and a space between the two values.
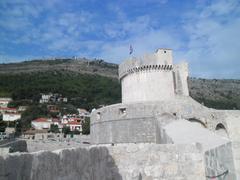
[86, 126]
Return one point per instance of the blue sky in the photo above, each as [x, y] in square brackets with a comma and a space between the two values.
[204, 33]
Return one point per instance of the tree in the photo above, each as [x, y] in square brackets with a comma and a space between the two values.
[86, 126]
[3, 126]
[54, 128]
[66, 130]
[18, 128]
[32, 113]
[68, 109]
[76, 131]
[16, 103]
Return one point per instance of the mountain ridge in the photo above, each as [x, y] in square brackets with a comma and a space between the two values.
[81, 65]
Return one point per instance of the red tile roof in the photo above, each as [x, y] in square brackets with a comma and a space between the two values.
[73, 123]
[56, 120]
[8, 109]
[41, 120]
[13, 113]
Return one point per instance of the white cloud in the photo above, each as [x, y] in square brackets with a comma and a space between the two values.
[144, 43]
[221, 7]
[213, 48]
[124, 27]
[207, 37]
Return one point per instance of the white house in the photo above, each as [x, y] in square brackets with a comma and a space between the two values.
[11, 116]
[22, 108]
[41, 123]
[74, 126]
[4, 102]
[83, 112]
[45, 98]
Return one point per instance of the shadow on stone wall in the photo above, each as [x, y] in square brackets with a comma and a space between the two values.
[15, 145]
[69, 164]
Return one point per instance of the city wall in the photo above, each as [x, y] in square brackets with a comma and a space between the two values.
[136, 122]
[9, 146]
[119, 162]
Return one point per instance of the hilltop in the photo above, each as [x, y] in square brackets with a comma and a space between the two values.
[91, 83]
[80, 65]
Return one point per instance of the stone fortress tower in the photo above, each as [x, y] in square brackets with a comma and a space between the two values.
[158, 114]
[153, 78]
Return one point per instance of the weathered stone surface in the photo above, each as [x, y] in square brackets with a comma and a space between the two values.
[220, 160]
[13, 146]
[119, 162]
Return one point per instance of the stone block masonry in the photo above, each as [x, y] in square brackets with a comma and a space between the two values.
[119, 162]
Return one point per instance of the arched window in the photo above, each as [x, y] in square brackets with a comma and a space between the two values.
[194, 120]
[221, 130]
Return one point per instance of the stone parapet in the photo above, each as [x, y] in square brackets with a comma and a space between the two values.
[119, 162]
[161, 60]
[144, 67]
[137, 122]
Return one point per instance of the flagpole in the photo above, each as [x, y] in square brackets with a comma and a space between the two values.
[130, 50]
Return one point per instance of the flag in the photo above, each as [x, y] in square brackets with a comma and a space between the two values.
[130, 49]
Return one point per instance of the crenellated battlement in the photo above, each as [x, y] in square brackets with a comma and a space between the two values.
[160, 60]
[145, 68]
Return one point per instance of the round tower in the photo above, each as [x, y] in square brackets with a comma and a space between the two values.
[149, 78]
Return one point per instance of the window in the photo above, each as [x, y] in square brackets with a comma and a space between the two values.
[221, 130]
[122, 111]
[98, 115]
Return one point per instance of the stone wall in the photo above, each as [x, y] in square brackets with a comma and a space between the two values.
[233, 129]
[180, 74]
[13, 146]
[120, 162]
[149, 85]
[118, 121]
[219, 163]
[148, 78]
[135, 131]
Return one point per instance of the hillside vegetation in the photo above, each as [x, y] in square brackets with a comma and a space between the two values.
[82, 65]
[216, 93]
[83, 90]
[90, 84]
